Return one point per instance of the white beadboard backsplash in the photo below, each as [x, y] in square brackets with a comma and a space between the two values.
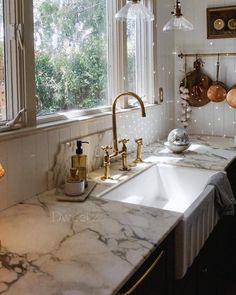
[214, 118]
[28, 159]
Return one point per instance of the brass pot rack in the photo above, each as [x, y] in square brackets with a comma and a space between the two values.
[182, 55]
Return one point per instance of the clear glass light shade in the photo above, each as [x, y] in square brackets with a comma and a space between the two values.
[2, 172]
[134, 10]
[178, 23]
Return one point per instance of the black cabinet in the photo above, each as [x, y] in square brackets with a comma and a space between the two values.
[212, 272]
[214, 267]
[156, 275]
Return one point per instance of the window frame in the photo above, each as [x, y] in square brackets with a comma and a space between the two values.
[19, 30]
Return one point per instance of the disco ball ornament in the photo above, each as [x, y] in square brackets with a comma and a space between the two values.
[178, 140]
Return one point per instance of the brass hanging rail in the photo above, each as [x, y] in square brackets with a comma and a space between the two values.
[182, 55]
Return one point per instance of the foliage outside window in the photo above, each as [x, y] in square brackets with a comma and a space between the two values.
[70, 54]
[77, 54]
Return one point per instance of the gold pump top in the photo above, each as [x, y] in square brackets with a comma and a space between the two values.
[114, 128]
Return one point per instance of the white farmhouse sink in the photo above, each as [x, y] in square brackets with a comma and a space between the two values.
[164, 187]
[178, 189]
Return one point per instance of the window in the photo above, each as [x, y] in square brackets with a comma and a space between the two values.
[68, 55]
[131, 56]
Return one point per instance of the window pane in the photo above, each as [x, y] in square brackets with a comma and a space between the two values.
[131, 55]
[2, 68]
[70, 54]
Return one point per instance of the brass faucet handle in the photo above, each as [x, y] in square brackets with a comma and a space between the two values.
[106, 148]
[124, 152]
[106, 162]
[123, 141]
[139, 141]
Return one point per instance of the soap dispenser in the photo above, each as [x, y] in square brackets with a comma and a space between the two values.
[79, 161]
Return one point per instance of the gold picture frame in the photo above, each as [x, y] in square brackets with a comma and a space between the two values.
[221, 22]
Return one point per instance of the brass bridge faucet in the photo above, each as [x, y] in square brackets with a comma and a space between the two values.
[123, 151]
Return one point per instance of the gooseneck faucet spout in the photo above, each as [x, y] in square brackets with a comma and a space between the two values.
[114, 127]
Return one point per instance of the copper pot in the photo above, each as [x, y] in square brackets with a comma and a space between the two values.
[217, 91]
[231, 97]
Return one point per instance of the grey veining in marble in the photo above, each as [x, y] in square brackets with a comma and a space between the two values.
[84, 248]
[207, 152]
[88, 248]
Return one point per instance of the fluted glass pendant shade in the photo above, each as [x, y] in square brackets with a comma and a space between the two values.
[2, 172]
[134, 10]
[177, 21]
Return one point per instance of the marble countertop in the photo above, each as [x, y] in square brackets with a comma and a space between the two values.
[90, 248]
[62, 248]
[207, 152]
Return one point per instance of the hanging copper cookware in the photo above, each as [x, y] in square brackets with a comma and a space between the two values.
[197, 84]
[231, 97]
[217, 91]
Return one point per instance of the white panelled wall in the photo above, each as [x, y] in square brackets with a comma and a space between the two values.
[28, 158]
[214, 118]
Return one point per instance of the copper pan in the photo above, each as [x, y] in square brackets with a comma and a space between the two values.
[217, 91]
[231, 97]
[197, 83]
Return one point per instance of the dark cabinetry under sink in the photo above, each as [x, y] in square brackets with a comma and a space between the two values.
[156, 275]
[213, 269]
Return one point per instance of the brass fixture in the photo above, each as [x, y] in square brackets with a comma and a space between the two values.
[144, 276]
[106, 162]
[139, 142]
[116, 151]
[182, 55]
[124, 154]
[2, 172]
[114, 128]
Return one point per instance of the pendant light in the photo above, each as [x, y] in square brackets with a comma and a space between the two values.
[2, 172]
[177, 21]
[134, 10]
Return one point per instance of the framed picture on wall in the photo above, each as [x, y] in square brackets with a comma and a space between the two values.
[221, 22]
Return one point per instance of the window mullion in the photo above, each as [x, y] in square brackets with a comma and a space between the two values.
[18, 76]
[117, 51]
[10, 57]
[155, 51]
[27, 57]
[145, 58]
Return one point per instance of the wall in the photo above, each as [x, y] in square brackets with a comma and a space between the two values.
[214, 118]
[27, 159]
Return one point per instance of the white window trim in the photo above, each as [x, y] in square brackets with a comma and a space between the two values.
[19, 79]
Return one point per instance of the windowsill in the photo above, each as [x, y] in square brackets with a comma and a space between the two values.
[64, 122]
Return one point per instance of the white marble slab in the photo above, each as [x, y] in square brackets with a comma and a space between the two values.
[93, 247]
[88, 248]
[207, 152]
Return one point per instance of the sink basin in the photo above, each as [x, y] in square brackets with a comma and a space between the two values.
[164, 187]
[178, 189]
